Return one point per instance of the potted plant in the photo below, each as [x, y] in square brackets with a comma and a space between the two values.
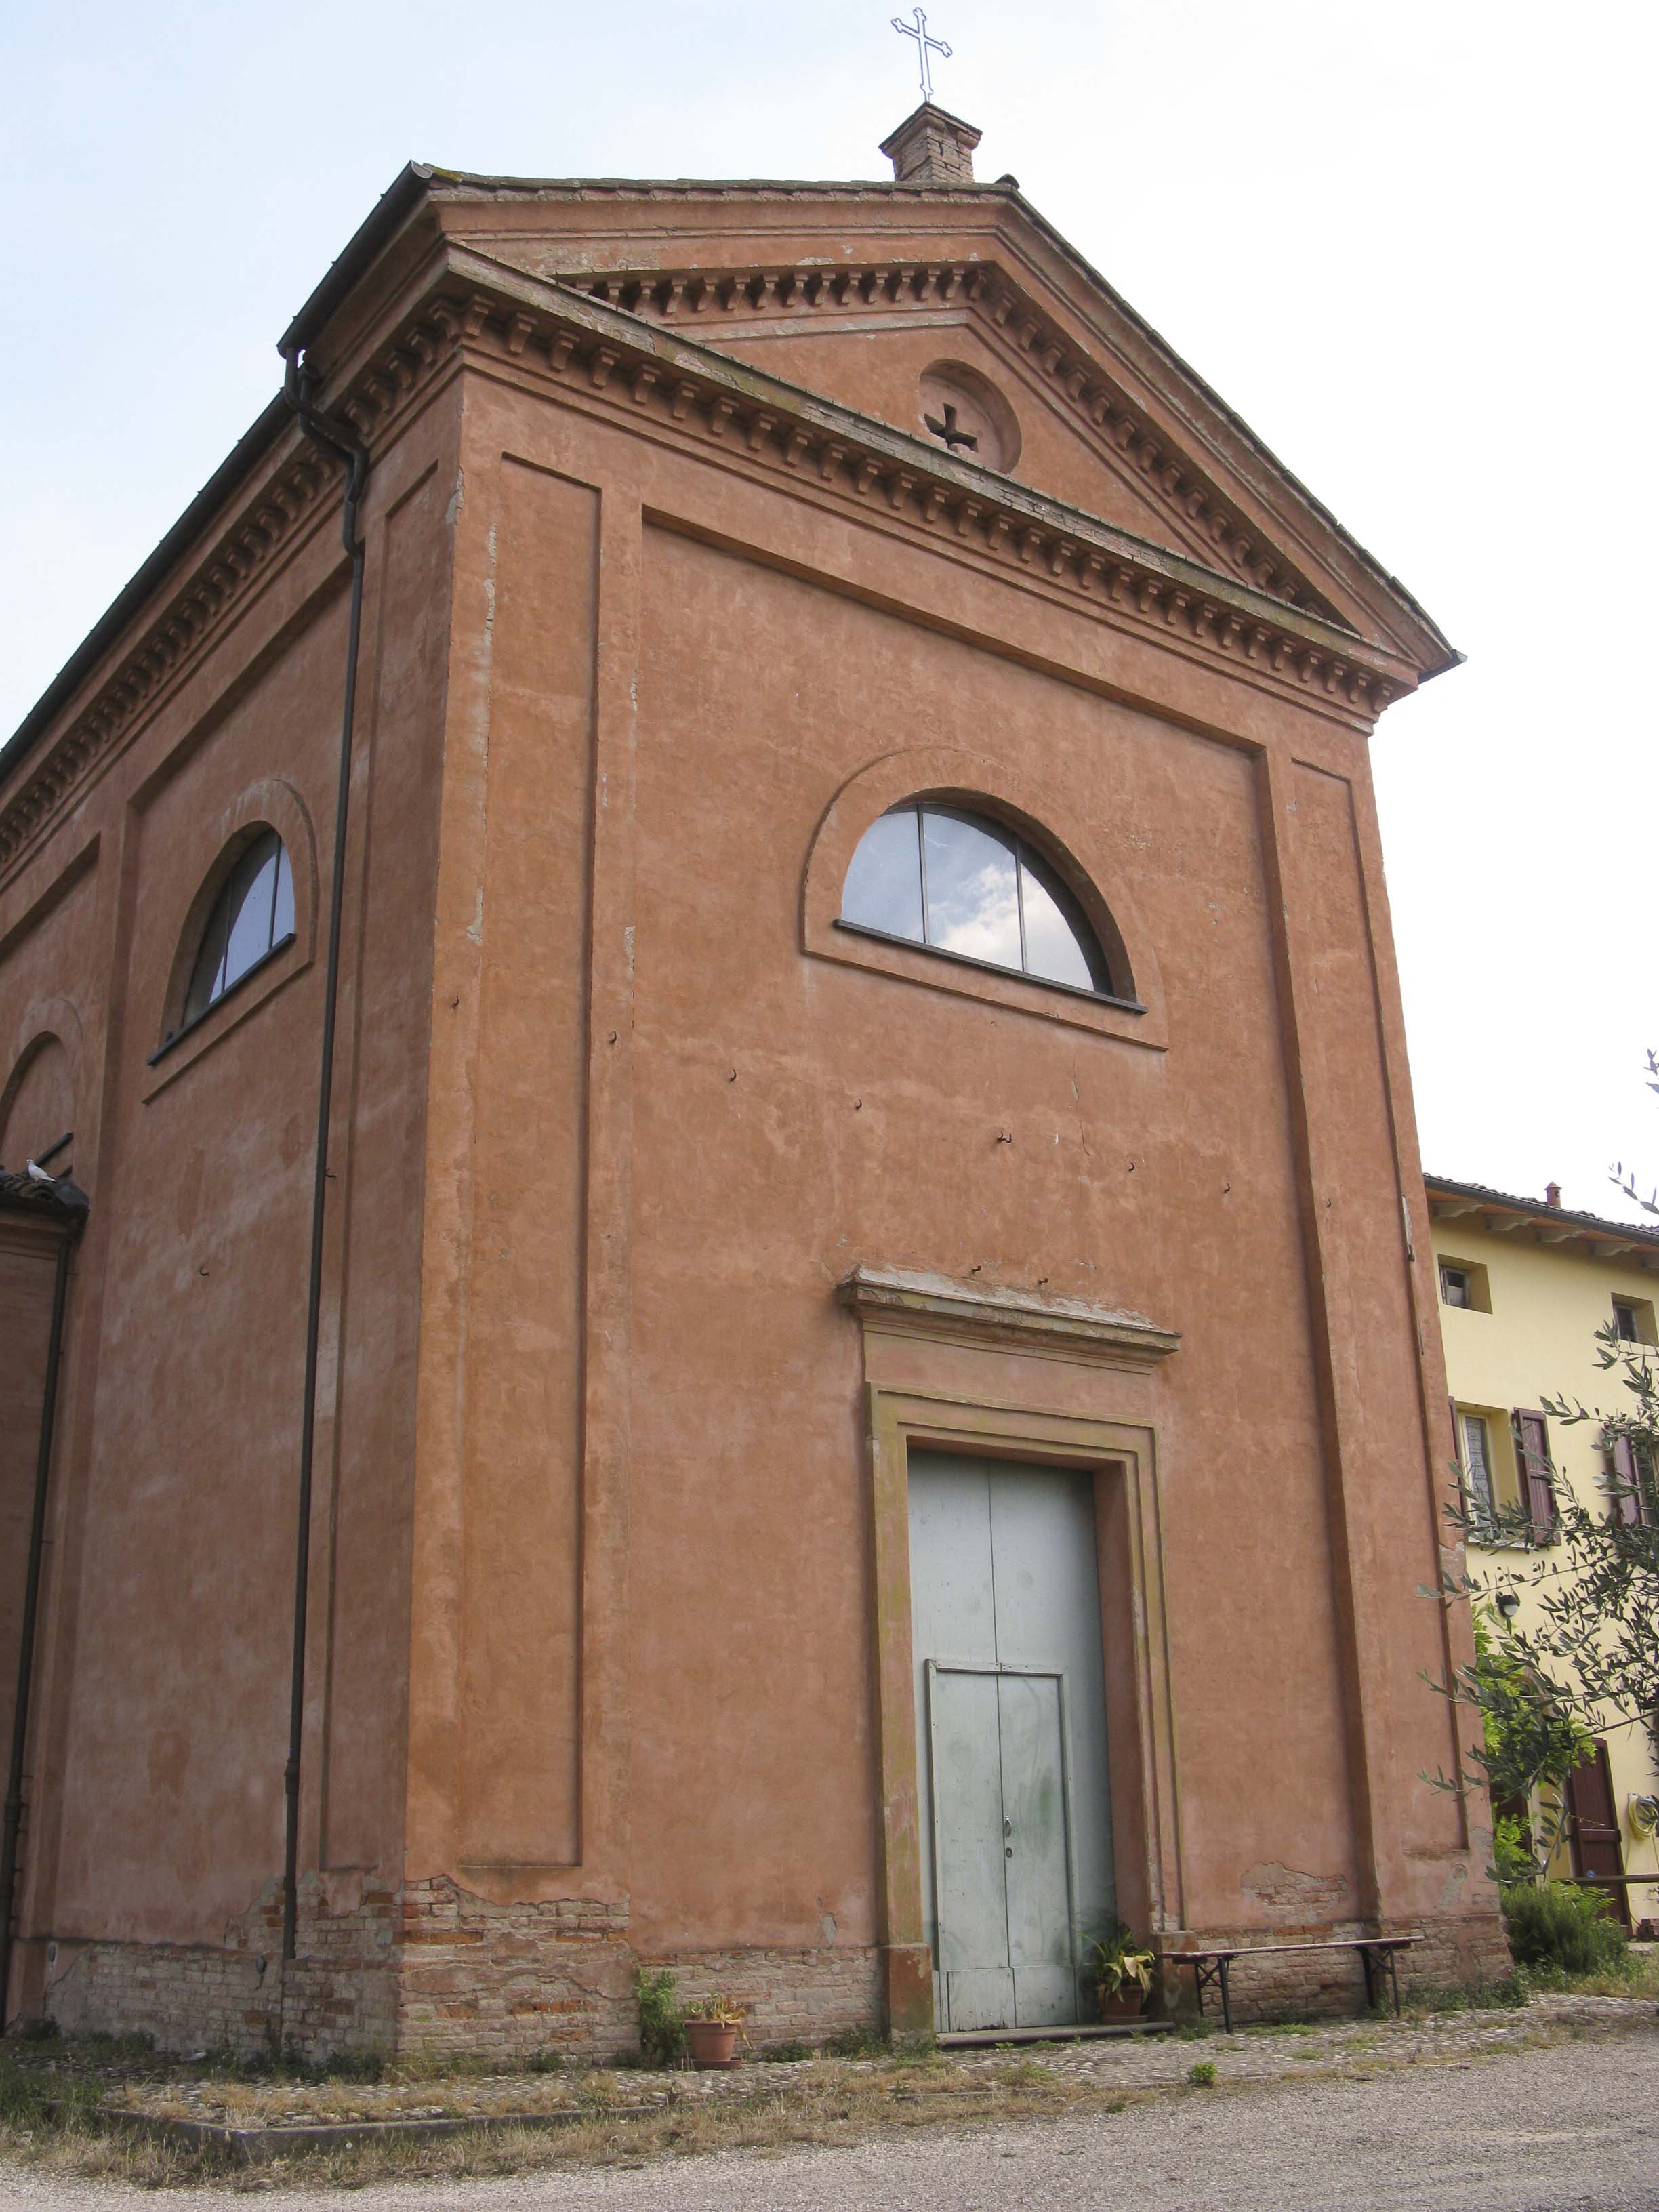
[1123, 1974]
[711, 2030]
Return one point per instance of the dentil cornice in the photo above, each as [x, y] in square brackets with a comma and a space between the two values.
[1101, 408]
[172, 642]
[655, 376]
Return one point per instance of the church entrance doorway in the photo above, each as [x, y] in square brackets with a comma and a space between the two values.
[1011, 1733]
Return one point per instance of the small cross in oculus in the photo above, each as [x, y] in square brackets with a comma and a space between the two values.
[947, 429]
[924, 41]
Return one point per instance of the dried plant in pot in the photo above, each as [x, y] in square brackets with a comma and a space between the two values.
[712, 2028]
[1122, 1973]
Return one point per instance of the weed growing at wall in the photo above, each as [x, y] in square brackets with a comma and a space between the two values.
[662, 2023]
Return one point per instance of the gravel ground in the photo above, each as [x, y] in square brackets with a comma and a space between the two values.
[1574, 2128]
[152, 2084]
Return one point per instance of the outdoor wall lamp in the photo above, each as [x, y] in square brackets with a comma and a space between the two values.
[1509, 1604]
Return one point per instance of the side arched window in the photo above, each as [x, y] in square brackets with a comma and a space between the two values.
[964, 885]
[252, 915]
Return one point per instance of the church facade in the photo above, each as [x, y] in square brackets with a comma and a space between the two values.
[855, 1393]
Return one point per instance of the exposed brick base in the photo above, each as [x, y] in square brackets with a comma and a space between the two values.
[436, 1971]
[340, 1994]
[789, 1996]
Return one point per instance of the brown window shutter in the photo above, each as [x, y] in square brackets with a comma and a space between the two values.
[1593, 1827]
[1532, 1451]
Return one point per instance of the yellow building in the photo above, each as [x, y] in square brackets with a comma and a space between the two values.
[1524, 1284]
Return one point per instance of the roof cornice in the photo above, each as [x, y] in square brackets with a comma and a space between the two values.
[1102, 409]
[164, 650]
[1218, 431]
[466, 304]
[674, 384]
[1504, 1213]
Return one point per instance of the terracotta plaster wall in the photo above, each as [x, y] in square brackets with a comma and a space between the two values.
[167, 1645]
[754, 1119]
[796, 1117]
[28, 1266]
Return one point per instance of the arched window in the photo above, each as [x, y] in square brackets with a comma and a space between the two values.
[252, 915]
[963, 885]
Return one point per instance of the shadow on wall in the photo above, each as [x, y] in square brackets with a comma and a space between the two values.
[37, 1106]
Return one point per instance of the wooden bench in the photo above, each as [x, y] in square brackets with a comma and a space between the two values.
[1211, 1965]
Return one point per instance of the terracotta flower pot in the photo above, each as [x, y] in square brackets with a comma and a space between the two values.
[1122, 2004]
[711, 2044]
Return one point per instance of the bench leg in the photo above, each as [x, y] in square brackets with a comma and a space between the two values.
[1226, 1997]
[1394, 1976]
[1368, 1961]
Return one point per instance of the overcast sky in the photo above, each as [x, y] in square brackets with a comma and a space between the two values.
[1411, 243]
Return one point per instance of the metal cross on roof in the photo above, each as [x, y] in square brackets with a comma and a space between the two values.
[924, 40]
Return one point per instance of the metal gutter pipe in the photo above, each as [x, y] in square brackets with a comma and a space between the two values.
[14, 1806]
[299, 390]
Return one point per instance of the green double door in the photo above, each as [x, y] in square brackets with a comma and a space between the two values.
[1011, 1718]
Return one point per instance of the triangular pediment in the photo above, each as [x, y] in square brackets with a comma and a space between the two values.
[856, 292]
[887, 347]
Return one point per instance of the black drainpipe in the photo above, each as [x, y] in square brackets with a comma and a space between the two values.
[299, 387]
[14, 1810]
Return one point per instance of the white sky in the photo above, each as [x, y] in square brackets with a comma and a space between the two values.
[1411, 243]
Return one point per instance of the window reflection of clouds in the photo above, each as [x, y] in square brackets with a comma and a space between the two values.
[1052, 948]
[884, 883]
[973, 889]
[252, 913]
[963, 885]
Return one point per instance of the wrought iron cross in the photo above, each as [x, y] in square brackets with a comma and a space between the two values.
[924, 40]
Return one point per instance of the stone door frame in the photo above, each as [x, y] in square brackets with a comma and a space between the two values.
[1139, 1702]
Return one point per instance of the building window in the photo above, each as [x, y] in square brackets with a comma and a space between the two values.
[1628, 1478]
[1508, 1481]
[1463, 1284]
[1633, 1321]
[251, 917]
[963, 885]
[1476, 1440]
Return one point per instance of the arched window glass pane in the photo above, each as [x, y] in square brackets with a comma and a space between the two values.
[884, 883]
[252, 913]
[961, 883]
[282, 924]
[973, 888]
[1058, 941]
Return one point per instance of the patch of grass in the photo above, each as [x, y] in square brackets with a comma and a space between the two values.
[916, 2050]
[1633, 1974]
[105, 2049]
[1507, 1994]
[1202, 2075]
[784, 2054]
[1023, 2073]
[1195, 2030]
[1285, 2027]
[856, 2043]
